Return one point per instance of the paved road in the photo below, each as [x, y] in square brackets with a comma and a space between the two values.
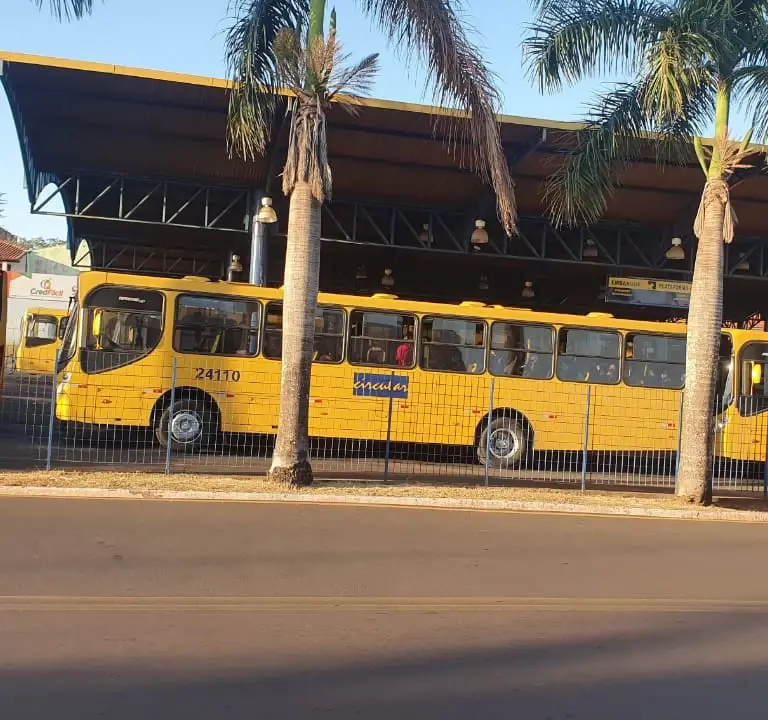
[126, 609]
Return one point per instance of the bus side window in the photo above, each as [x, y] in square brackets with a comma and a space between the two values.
[453, 345]
[519, 350]
[329, 334]
[588, 356]
[380, 338]
[656, 361]
[216, 325]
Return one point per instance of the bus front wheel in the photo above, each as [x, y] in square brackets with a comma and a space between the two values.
[187, 425]
[506, 440]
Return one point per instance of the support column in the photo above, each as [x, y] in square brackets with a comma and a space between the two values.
[257, 271]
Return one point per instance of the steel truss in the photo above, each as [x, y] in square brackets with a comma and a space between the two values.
[136, 200]
[613, 245]
[106, 254]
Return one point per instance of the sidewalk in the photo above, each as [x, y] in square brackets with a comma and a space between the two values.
[103, 484]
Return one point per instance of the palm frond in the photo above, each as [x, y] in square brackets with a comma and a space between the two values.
[676, 71]
[253, 68]
[750, 86]
[616, 128]
[66, 9]
[573, 39]
[325, 64]
[460, 79]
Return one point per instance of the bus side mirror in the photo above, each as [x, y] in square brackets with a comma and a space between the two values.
[61, 329]
[96, 323]
[757, 374]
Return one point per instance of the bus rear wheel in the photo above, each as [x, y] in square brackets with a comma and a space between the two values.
[188, 425]
[507, 441]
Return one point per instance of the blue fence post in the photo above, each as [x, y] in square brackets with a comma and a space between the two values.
[52, 415]
[170, 419]
[765, 466]
[488, 431]
[389, 429]
[586, 441]
[679, 439]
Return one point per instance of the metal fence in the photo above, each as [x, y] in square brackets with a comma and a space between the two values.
[383, 425]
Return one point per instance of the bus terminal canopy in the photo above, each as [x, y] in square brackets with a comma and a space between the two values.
[140, 159]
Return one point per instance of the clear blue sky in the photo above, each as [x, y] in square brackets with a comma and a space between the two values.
[188, 37]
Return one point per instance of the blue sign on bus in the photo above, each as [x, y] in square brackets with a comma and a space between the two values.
[377, 385]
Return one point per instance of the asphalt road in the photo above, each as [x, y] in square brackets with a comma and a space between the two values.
[127, 609]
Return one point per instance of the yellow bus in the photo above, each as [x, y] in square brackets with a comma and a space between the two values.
[417, 372]
[41, 331]
[3, 321]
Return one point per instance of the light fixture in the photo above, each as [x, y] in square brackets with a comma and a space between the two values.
[267, 214]
[425, 237]
[479, 234]
[387, 281]
[361, 273]
[235, 267]
[743, 264]
[528, 292]
[590, 250]
[676, 251]
[483, 286]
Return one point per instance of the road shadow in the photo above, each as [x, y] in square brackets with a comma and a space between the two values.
[689, 667]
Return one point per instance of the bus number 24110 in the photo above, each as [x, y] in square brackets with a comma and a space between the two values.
[226, 375]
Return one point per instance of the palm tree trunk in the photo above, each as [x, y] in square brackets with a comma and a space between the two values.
[704, 324]
[705, 319]
[290, 461]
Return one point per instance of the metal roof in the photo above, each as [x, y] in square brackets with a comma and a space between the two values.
[77, 116]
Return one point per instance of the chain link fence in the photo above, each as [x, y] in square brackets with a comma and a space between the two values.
[218, 415]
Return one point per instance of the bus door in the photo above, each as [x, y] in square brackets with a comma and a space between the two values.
[216, 337]
[380, 375]
[452, 392]
[642, 413]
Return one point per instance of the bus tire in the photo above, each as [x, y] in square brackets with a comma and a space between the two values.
[508, 442]
[192, 424]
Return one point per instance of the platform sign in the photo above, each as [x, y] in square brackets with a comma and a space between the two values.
[649, 292]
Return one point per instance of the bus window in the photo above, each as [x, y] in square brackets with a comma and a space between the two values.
[453, 345]
[656, 361]
[521, 350]
[121, 326]
[588, 356]
[377, 338]
[216, 326]
[753, 395]
[329, 334]
[41, 330]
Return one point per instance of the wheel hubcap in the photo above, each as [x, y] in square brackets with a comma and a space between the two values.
[503, 444]
[186, 427]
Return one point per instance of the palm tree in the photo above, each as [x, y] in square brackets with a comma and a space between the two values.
[688, 61]
[67, 9]
[264, 55]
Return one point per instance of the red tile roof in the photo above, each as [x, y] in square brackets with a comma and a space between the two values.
[9, 251]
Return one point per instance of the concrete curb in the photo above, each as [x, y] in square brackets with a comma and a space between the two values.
[393, 501]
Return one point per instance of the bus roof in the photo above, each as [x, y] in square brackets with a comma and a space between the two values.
[384, 301]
